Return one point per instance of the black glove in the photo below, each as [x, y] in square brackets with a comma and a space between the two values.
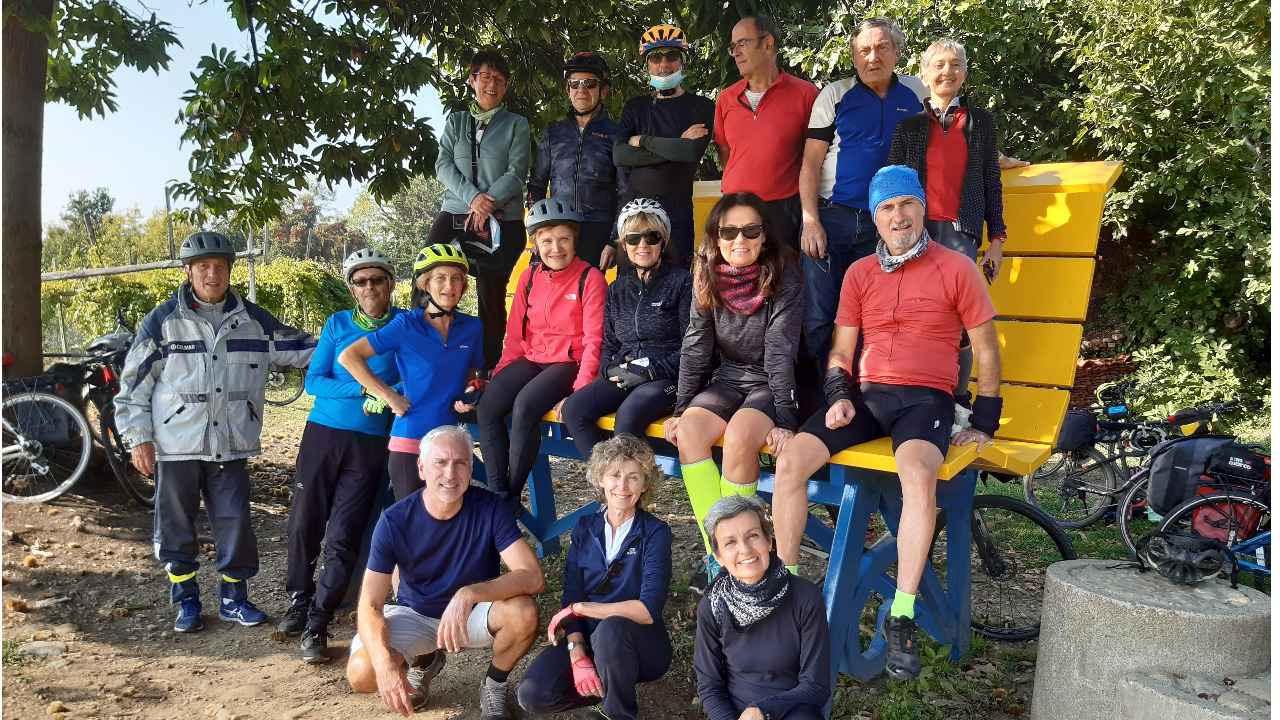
[475, 389]
[986, 414]
[629, 376]
[837, 385]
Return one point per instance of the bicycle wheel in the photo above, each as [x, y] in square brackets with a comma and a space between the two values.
[46, 445]
[1229, 516]
[1013, 544]
[1133, 516]
[1051, 467]
[284, 385]
[1079, 493]
[138, 486]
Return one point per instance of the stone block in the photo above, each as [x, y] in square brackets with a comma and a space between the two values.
[1165, 696]
[1100, 622]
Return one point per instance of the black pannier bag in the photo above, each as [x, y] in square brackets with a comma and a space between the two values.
[1234, 461]
[1079, 430]
[1176, 467]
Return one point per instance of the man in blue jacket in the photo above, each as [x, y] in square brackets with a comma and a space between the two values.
[342, 459]
[575, 158]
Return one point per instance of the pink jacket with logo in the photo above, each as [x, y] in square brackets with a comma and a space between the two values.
[553, 324]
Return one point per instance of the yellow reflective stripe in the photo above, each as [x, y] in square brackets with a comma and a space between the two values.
[230, 579]
[181, 578]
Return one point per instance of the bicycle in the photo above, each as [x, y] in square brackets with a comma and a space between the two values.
[284, 385]
[1092, 482]
[38, 455]
[1014, 543]
[1234, 515]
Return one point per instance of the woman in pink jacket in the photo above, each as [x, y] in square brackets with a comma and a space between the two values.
[552, 347]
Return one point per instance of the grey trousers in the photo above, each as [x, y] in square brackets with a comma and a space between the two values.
[180, 484]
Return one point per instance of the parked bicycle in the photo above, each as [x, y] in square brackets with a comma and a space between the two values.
[284, 385]
[47, 433]
[1094, 477]
[1014, 543]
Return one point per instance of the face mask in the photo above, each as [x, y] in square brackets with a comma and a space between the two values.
[670, 82]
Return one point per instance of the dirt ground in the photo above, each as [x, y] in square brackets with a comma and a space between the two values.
[79, 584]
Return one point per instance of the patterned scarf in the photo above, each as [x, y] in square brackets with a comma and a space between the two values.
[739, 287]
[749, 604]
[364, 322]
[483, 117]
[889, 263]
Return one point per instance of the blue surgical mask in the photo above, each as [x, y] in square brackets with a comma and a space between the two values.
[670, 82]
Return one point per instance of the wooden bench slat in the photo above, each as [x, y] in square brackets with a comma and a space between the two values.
[1041, 288]
[1037, 353]
[1013, 456]
[1052, 223]
[1031, 414]
[1075, 177]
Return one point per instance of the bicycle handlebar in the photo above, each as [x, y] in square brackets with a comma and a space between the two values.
[1204, 413]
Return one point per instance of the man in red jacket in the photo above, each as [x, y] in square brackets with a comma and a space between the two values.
[552, 347]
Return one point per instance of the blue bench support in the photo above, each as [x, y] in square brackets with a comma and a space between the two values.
[854, 571]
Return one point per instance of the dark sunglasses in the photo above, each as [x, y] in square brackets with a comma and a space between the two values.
[583, 84]
[668, 55]
[367, 281]
[750, 232]
[615, 569]
[648, 237]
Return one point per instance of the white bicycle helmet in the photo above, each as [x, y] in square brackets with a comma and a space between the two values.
[644, 205]
[367, 257]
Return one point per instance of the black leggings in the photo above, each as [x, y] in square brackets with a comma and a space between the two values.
[635, 408]
[403, 469]
[524, 390]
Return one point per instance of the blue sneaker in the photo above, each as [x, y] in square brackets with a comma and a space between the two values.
[241, 611]
[189, 619]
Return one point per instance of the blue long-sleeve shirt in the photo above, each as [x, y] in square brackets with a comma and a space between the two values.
[641, 571]
[339, 398]
[776, 665]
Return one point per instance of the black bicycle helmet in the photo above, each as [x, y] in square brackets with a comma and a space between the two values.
[1182, 558]
[551, 211]
[587, 61]
[206, 243]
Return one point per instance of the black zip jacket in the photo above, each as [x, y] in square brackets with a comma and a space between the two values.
[723, 345]
[579, 167]
[980, 198]
[647, 319]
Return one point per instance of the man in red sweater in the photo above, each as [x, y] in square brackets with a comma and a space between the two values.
[760, 126]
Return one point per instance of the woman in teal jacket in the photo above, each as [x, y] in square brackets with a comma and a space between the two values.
[483, 163]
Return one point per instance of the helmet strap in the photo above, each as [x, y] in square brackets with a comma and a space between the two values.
[592, 111]
[440, 312]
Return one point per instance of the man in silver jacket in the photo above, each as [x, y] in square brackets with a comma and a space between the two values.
[190, 409]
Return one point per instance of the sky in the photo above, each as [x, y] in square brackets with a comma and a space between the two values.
[134, 151]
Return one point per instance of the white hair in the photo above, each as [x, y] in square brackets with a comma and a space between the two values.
[940, 46]
[457, 432]
[896, 36]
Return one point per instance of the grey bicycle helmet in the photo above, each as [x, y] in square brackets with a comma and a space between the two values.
[551, 211]
[364, 258]
[206, 243]
[1182, 558]
[648, 206]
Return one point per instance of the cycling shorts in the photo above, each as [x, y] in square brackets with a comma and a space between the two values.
[901, 412]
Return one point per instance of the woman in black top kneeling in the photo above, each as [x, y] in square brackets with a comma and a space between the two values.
[762, 651]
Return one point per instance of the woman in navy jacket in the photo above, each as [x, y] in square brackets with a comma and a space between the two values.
[645, 317]
[616, 578]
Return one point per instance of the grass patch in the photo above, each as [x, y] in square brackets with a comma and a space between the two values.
[13, 658]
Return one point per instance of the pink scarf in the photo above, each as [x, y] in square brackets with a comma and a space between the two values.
[739, 288]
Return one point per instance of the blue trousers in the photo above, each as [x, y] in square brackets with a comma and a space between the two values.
[851, 235]
[180, 485]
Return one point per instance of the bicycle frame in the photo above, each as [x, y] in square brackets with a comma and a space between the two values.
[1247, 553]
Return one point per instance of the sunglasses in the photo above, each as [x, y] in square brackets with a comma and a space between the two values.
[367, 281]
[495, 78]
[648, 237]
[750, 232]
[615, 569]
[583, 84]
[661, 55]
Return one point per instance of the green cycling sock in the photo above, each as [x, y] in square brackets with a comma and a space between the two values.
[728, 488]
[904, 605]
[702, 481]
[794, 569]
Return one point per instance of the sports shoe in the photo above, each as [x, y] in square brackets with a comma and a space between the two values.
[315, 645]
[295, 618]
[902, 656]
[241, 611]
[189, 619]
[420, 677]
[493, 700]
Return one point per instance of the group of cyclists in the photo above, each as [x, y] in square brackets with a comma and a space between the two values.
[831, 298]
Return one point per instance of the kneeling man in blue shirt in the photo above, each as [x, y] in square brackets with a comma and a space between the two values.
[446, 540]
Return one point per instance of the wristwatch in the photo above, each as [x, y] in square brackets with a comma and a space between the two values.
[571, 646]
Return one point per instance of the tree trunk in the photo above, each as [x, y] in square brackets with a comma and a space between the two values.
[25, 59]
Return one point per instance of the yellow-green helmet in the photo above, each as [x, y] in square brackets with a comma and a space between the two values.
[439, 254]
